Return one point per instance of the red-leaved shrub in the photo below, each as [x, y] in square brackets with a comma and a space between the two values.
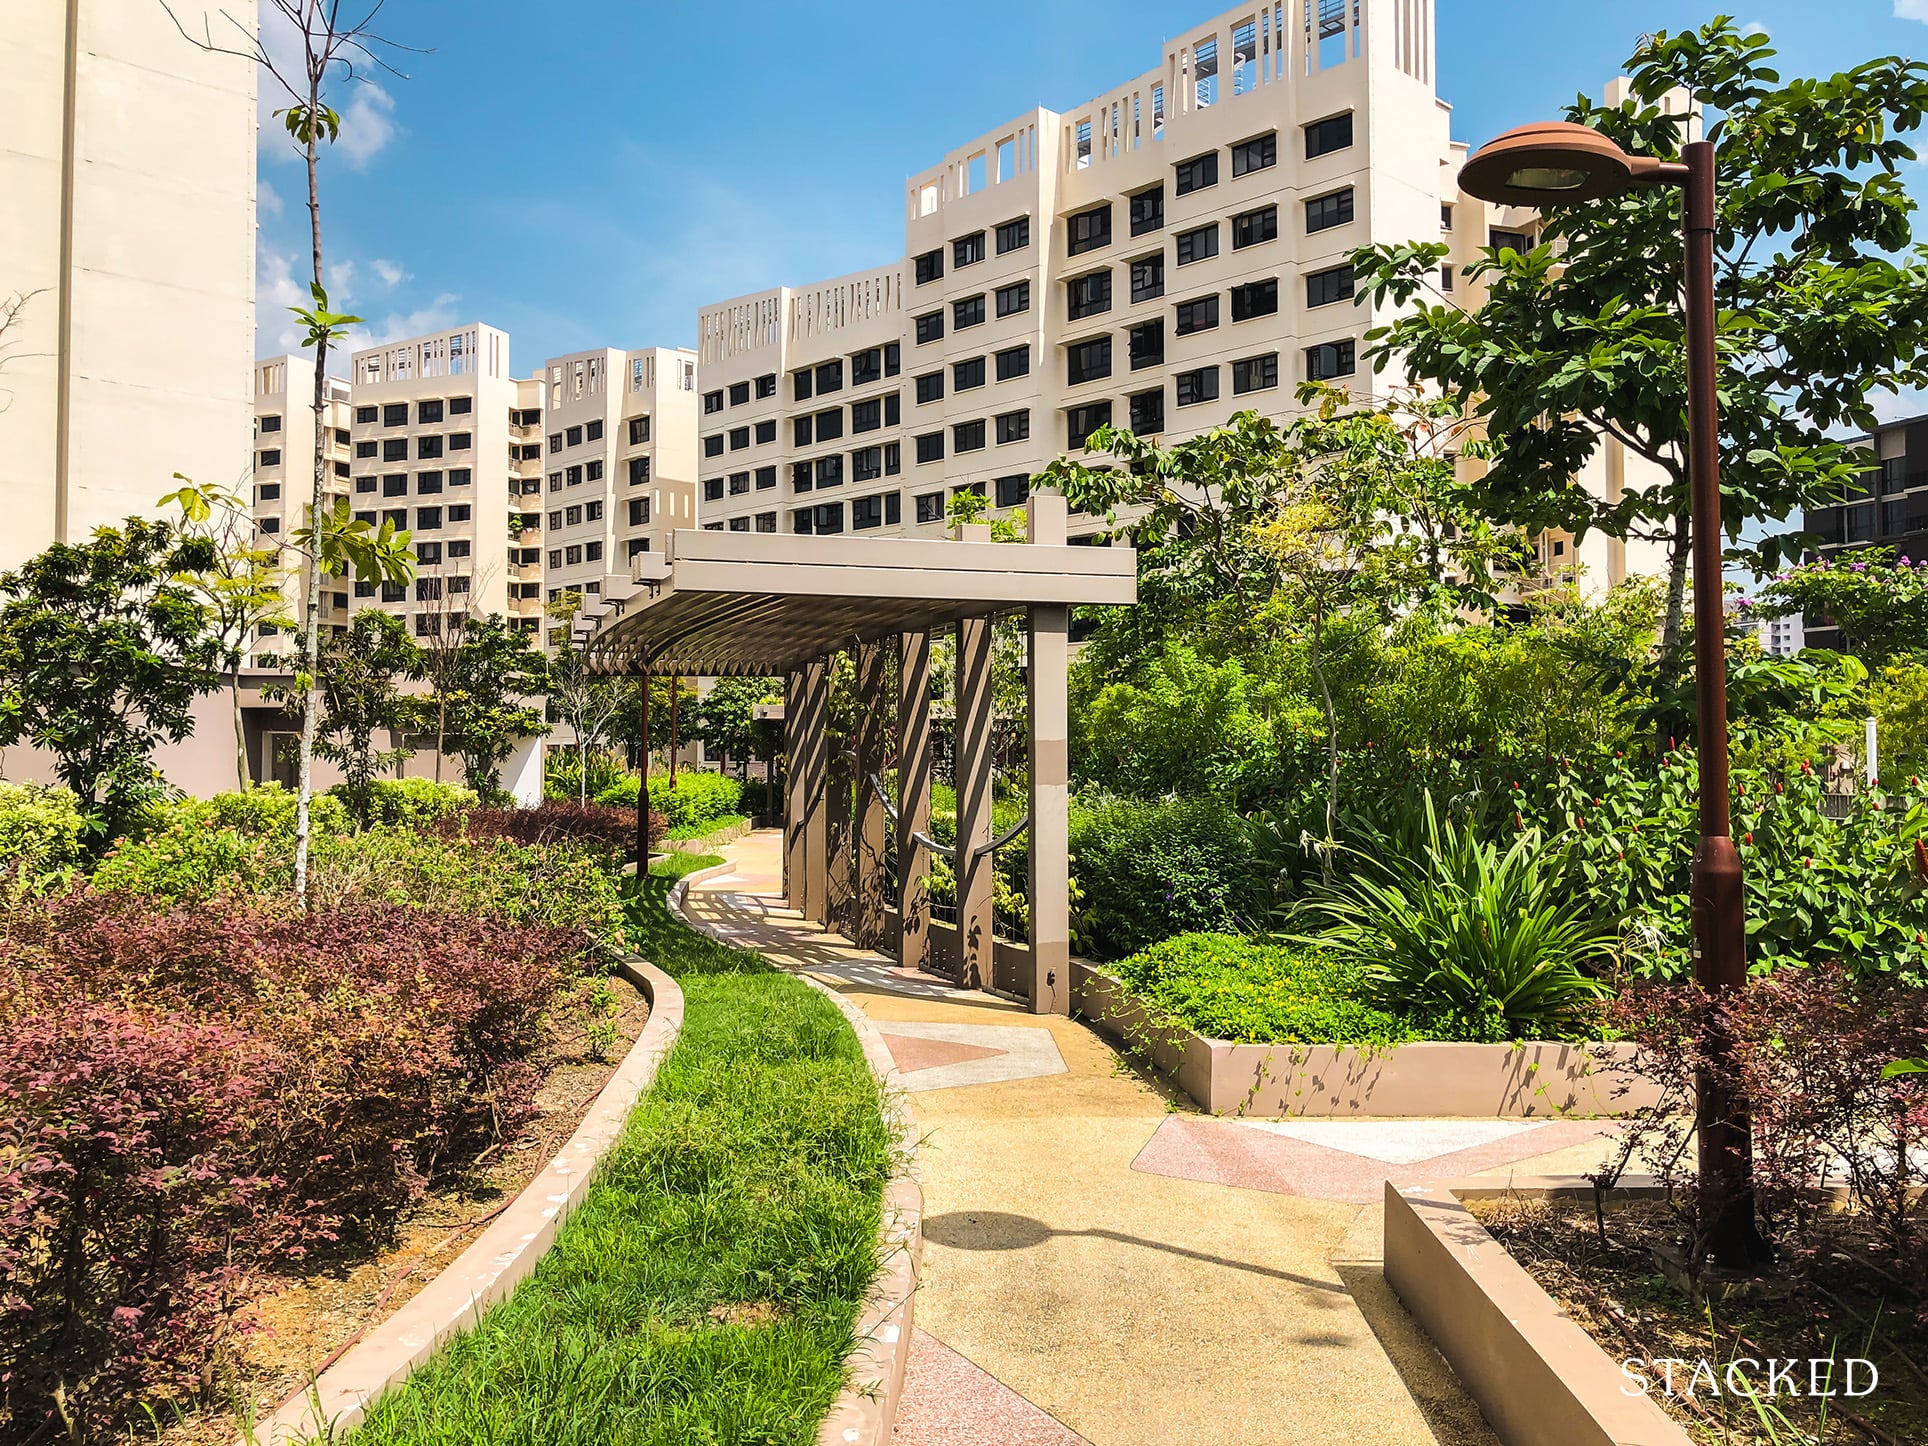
[599, 826]
[194, 1095]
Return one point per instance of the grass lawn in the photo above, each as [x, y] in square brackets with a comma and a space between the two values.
[714, 825]
[706, 1290]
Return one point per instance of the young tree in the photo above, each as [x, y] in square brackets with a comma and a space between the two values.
[447, 611]
[492, 678]
[338, 45]
[588, 702]
[102, 653]
[242, 589]
[360, 673]
[726, 717]
[1880, 605]
[1582, 337]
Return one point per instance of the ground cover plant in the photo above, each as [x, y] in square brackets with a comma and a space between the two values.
[708, 1287]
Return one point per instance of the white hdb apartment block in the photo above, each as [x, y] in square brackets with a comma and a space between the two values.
[1167, 254]
[284, 479]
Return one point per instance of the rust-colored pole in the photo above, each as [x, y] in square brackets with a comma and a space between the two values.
[675, 692]
[642, 791]
[1726, 1147]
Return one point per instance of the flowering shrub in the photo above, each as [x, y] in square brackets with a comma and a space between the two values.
[194, 1094]
[1879, 601]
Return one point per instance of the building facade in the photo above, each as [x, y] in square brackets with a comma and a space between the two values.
[1887, 507]
[284, 451]
[1161, 257]
[128, 348]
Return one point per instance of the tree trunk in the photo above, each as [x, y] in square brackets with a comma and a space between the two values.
[1680, 554]
[441, 731]
[1332, 735]
[240, 733]
[582, 768]
[311, 627]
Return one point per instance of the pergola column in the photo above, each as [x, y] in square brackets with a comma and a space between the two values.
[643, 840]
[812, 789]
[792, 789]
[870, 890]
[913, 798]
[1046, 689]
[974, 868]
[837, 812]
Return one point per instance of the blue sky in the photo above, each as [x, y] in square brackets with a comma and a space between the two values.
[589, 172]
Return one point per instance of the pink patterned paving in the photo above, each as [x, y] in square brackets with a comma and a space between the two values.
[913, 1054]
[950, 1402]
[1224, 1152]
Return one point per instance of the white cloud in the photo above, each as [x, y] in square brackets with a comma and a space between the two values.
[267, 199]
[1912, 10]
[366, 110]
[341, 279]
[438, 315]
[275, 290]
[1760, 27]
[391, 274]
[367, 125]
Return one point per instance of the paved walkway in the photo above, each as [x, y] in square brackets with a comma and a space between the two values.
[1103, 1264]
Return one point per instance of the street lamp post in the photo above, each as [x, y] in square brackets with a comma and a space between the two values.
[1547, 164]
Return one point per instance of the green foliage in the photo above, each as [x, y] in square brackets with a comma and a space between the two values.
[360, 673]
[1259, 992]
[1151, 869]
[1880, 605]
[184, 859]
[267, 808]
[413, 802]
[1184, 722]
[41, 833]
[1480, 943]
[725, 720]
[486, 684]
[563, 771]
[1898, 700]
[700, 800]
[102, 654]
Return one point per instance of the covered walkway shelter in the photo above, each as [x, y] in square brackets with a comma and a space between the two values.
[718, 604]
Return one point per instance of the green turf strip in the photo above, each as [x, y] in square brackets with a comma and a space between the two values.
[707, 1289]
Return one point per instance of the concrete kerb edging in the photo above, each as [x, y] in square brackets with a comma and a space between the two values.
[1531, 1079]
[710, 840]
[866, 1411]
[1537, 1376]
[502, 1257]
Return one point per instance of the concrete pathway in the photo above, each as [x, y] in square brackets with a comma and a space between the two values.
[1103, 1264]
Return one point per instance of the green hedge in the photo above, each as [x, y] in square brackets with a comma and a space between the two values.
[1148, 869]
[698, 800]
[1253, 992]
[40, 832]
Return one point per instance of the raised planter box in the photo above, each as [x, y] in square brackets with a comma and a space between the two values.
[1524, 1080]
[1539, 1379]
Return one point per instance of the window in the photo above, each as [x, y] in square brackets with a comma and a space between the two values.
[739, 394]
[930, 387]
[638, 430]
[364, 484]
[1081, 422]
[766, 385]
[271, 457]
[766, 522]
[1198, 315]
[712, 403]
[270, 424]
[394, 591]
[1013, 491]
[270, 524]
[574, 474]
[1196, 174]
[893, 358]
[1252, 227]
[1087, 295]
[1014, 298]
[1256, 154]
[1197, 386]
[1327, 360]
[1088, 230]
[1147, 342]
[739, 439]
[1255, 374]
[803, 430]
[267, 492]
[929, 266]
[713, 488]
[1014, 235]
[365, 415]
[766, 477]
[968, 436]
[893, 459]
[1446, 277]
[1148, 277]
[1322, 213]
[867, 416]
[395, 449]
[868, 512]
[430, 411]
[930, 507]
[638, 471]
[364, 589]
[829, 377]
[462, 406]
[799, 476]
[1013, 427]
[460, 512]
[572, 555]
[893, 508]
[638, 511]
[460, 548]
[766, 430]
[1322, 288]
[459, 441]
[1255, 298]
[867, 367]
[555, 441]
[459, 477]
[1198, 245]
[555, 558]
[395, 485]
[713, 446]
[592, 552]
[428, 519]
[827, 517]
[1334, 133]
[968, 250]
[365, 449]
[1520, 241]
[1148, 412]
[967, 374]
[800, 385]
[1015, 362]
[427, 589]
[830, 425]
[427, 484]
[1148, 210]
[429, 552]
[395, 414]
[1088, 361]
[739, 484]
[930, 327]
[930, 447]
[967, 311]
[866, 464]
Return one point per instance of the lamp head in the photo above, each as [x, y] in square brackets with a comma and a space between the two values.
[1550, 162]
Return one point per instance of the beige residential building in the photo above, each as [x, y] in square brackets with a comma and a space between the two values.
[1167, 254]
[127, 160]
[620, 462]
[284, 450]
